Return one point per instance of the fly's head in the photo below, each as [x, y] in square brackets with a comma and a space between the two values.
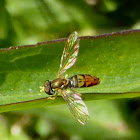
[47, 88]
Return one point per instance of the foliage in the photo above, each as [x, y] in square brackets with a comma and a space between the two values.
[37, 63]
[114, 58]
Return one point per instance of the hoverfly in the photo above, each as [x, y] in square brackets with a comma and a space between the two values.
[64, 86]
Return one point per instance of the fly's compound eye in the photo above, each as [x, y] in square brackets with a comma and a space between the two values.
[47, 88]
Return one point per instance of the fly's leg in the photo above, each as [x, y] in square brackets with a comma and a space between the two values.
[53, 97]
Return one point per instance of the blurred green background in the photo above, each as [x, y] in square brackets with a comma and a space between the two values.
[28, 22]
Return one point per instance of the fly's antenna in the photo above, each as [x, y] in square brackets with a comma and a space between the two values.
[41, 88]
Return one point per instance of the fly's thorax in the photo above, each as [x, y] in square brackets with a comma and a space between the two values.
[81, 80]
[59, 83]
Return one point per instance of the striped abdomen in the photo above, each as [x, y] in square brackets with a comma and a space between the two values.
[80, 80]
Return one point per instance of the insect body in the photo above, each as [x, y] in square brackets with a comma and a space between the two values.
[80, 80]
[62, 85]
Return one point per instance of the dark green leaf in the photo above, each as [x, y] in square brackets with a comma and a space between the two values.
[114, 58]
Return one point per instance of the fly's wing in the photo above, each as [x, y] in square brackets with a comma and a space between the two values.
[70, 53]
[76, 106]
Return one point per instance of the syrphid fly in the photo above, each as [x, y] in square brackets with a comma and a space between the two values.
[64, 86]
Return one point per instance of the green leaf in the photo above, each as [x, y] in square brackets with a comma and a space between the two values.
[114, 58]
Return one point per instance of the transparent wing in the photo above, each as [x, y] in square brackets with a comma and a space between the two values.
[76, 106]
[70, 53]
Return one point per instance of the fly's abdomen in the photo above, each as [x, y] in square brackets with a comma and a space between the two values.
[81, 80]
